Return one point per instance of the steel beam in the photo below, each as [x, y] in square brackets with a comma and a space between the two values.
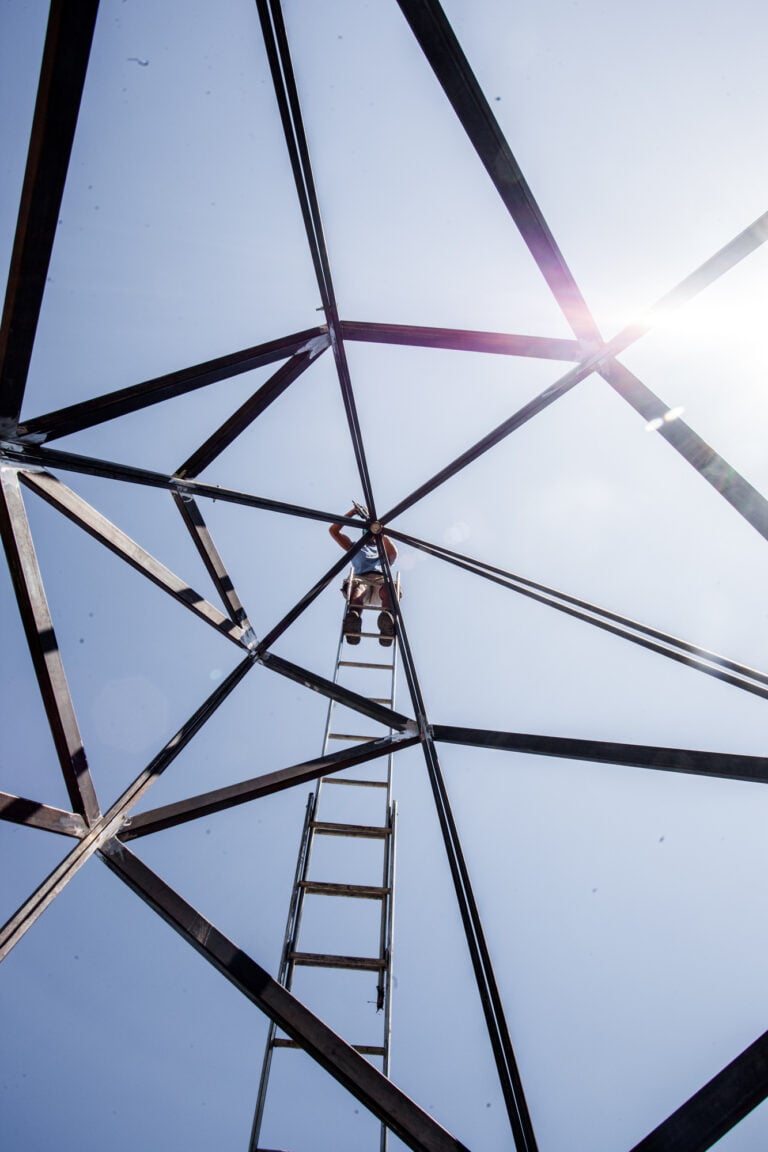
[77, 510]
[286, 94]
[691, 655]
[219, 799]
[62, 78]
[722, 765]
[444, 53]
[487, 987]
[31, 813]
[43, 647]
[203, 541]
[17, 454]
[246, 414]
[727, 257]
[109, 406]
[717, 1107]
[739, 493]
[374, 1091]
[111, 822]
[336, 692]
[309, 597]
[463, 340]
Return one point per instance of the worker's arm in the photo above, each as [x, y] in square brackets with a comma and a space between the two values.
[340, 537]
[390, 549]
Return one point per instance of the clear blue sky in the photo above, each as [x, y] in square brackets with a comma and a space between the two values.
[625, 910]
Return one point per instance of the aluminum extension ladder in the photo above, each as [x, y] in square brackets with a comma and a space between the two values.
[323, 819]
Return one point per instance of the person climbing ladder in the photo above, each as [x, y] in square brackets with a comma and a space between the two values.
[368, 584]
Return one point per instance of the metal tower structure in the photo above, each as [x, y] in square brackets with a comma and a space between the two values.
[32, 467]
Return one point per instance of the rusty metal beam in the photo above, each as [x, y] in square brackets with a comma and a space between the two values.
[374, 1091]
[62, 78]
[43, 647]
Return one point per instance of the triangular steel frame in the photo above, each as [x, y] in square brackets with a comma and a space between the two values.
[27, 463]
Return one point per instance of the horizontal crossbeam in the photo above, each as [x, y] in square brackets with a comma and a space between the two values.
[719, 764]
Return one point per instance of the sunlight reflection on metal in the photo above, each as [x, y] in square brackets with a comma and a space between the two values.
[670, 415]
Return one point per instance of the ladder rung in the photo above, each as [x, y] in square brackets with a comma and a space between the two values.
[363, 1049]
[369, 831]
[350, 736]
[362, 664]
[361, 891]
[356, 783]
[323, 960]
[380, 699]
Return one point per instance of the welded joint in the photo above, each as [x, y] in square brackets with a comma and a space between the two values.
[249, 639]
[315, 346]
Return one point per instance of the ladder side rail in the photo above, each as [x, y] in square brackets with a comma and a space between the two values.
[288, 938]
[387, 1038]
[392, 696]
[336, 670]
[388, 906]
[388, 847]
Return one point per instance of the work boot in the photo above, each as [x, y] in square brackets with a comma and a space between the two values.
[353, 623]
[386, 629]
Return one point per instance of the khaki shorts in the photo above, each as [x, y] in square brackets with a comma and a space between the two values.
[366, 586]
